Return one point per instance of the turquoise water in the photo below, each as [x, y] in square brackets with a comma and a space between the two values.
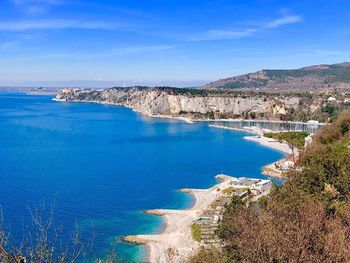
[102, 165]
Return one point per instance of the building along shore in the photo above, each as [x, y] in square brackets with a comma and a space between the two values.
[176, 242]
[275, 169]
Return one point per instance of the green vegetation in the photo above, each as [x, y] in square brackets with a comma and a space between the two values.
[331, 110]
[244, 84]
[293, 138]
[305, 220]
[341, 73]
[196, 232]
[207, 256]
[228, 191]
[284, 73]
[197, 115]
[332, 72]
[315, 77]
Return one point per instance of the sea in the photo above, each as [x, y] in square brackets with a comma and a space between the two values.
[98, 167]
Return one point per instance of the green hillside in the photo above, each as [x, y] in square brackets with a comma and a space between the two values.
[305, 220]
[313, 77]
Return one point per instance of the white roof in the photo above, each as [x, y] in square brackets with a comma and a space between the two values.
[313, 122]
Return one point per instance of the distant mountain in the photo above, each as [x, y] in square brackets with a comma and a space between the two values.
[319, 77]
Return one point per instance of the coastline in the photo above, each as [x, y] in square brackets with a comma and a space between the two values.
[270, 143]
[146, 114]
[231, 128]
[258, 137]
[268, 170]
[271, 170]
[175, 241]
[183, 118]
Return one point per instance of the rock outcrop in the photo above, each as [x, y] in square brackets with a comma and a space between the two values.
[186, 102]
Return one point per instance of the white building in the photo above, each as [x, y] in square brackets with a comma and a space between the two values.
[331, 99]
[257, 186]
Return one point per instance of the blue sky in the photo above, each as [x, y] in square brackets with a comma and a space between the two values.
[164, 42]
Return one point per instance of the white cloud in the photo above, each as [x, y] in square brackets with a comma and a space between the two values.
[139, 49]
[222, 34]
[28, 2]
[216, 34]
[36, 7]
[285, 20]
[54, 24]
[116, 52]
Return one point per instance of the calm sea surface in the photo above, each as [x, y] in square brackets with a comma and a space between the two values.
[102, 165]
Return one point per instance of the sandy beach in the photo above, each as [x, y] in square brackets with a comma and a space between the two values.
[161, 116]
[175, 243]
[259, 138]
[231, 128]
[271, 143]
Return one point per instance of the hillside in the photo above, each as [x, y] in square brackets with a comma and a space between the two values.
[313, 78]
[305, 220]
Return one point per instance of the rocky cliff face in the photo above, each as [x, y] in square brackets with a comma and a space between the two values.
[176, 102]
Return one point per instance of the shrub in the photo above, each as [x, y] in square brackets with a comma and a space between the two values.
[196, 232]
[293, 138]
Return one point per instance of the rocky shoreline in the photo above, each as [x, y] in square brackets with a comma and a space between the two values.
[185, 104]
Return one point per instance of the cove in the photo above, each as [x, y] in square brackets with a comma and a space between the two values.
[101, 166]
